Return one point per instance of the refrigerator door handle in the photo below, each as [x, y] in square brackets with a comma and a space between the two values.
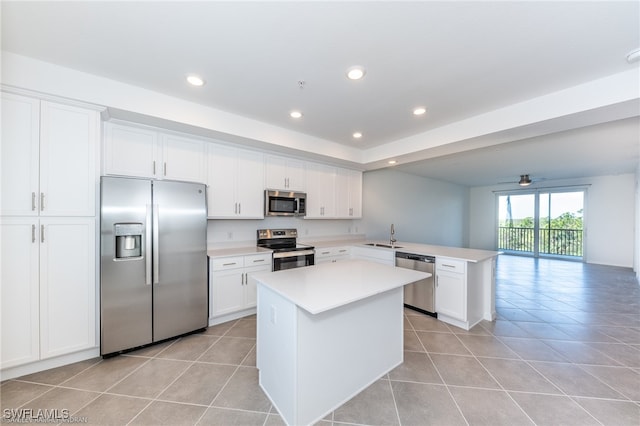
[156, 245]
[147, 248]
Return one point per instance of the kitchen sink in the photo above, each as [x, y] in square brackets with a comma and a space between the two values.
[382, 245]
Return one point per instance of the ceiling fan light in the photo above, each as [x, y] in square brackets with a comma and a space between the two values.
[524, 180]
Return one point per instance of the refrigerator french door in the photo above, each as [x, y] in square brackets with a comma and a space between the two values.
[153, 283]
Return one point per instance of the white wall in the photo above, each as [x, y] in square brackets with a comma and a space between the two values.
[636, 262]
[610, 217]
[423, 210]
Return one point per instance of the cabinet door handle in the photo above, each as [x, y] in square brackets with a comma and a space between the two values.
[448, 266]
[154, 167]
[239, 208]
[42, 233]
[228, 264]
[165, 168]
[33, 233]
[42, 201]
[33, 201]
[258, 260]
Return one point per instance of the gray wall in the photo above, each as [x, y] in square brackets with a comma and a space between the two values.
[423, 210]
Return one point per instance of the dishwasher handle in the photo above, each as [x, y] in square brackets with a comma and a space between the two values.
[417, 257]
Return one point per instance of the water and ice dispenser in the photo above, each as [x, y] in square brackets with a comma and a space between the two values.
[128, 240]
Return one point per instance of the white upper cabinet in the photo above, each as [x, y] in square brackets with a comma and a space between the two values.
[235, 183]
[131, 151]
[348, 194]
[20, 156]
[284, 173]
[321, 191]
[184, 159]
[48, 158]
[68, 139]
[145, 152]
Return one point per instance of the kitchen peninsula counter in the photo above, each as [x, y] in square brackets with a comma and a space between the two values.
[326, 332]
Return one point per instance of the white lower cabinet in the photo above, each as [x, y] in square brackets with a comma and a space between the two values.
[332, 254]
[232, 287]
[48, 287]
[451, 285]
[464, 291]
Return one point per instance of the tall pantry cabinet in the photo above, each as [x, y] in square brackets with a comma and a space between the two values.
[48, 251]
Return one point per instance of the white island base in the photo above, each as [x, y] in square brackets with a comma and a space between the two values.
[313, 359]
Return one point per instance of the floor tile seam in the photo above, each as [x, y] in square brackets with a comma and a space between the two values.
[172, 382]
[581, 369]
[637, 402]
[129, 374]
[523, 411]
[207, 349]
[417, 382]
[226, 383]
[577, 363]
[528, 363]
[94, 365]
[220, 363]
[393, 398]
[239, 410]
[444, 383]
[140, 412]
[52, 387]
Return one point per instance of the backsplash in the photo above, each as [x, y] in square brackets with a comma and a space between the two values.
[238, 233]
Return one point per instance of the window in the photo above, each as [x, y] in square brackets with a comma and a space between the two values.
[542, 223]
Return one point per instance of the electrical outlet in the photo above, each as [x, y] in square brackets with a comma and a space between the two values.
[229, 235]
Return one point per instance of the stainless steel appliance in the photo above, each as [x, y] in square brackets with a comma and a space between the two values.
[153, 253]
[284, 203]
[287, 253]
[419, 295]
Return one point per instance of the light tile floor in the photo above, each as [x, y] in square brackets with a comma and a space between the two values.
[565, 349]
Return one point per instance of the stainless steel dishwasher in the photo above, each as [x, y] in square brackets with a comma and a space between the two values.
[419, 295]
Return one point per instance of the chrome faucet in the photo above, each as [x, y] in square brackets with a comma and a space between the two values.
[392, 239]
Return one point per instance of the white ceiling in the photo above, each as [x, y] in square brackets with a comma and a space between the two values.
[459, 59]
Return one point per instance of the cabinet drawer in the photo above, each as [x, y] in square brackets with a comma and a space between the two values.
[257, 260]
[332, 251]
[223, 263]
[450, 265]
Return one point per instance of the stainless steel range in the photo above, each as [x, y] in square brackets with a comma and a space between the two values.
[287, 253]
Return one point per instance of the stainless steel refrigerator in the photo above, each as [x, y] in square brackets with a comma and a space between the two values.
[153, 283]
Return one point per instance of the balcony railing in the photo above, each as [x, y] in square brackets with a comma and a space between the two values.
[561, 242]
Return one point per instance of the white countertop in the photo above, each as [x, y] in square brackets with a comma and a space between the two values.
[327, 286]
[237, 251]
[466, 254]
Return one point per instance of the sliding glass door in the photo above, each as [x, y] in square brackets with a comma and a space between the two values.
[542, 223]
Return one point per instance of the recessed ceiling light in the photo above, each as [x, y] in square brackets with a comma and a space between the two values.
[357, 135]
[194, 80]
[419, 110]
[392, 161]
[295, 114]
[356, 72]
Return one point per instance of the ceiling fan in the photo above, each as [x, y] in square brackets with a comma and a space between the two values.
[525, 180]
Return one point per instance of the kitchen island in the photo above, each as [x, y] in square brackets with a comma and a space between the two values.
[326, 332]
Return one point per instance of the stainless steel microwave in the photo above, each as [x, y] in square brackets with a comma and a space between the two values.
[284, 203]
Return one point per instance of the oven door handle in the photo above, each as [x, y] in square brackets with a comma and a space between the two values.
[281, 255]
